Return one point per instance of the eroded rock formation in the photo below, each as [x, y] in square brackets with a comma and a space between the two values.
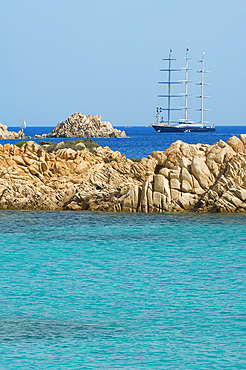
[5, 134]
[184, 177]
[79, 126]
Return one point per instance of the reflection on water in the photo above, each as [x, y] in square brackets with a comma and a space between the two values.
[30, 329]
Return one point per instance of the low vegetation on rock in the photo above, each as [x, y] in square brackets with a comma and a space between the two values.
[75, 145]
[20, 143]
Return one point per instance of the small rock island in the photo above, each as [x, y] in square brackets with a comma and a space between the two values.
[79, 125]
[5, 134]
[185, 177]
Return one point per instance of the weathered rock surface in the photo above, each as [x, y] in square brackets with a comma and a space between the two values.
[184, 177]
[80, 126]
[5, 134]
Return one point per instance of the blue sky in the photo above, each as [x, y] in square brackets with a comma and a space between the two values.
[103, 57]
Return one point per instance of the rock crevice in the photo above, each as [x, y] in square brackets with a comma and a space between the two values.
[5, 134]
[81, 126]
[184, 177]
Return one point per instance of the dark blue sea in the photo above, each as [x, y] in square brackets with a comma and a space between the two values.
[144, 140]
[83, 290]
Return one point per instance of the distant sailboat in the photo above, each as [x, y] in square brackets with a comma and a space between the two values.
[23, 126]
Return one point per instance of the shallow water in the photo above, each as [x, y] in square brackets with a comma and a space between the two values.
[83, 290]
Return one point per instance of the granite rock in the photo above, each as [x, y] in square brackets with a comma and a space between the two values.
[79, 125]
[5, 134]
[185, 177]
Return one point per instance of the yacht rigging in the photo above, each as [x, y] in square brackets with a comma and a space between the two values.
[183, 125]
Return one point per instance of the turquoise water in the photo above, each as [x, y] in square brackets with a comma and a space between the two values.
[84, 290]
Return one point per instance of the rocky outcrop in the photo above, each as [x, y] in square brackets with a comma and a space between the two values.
[184, 177]
[5, 134]
[80, 126]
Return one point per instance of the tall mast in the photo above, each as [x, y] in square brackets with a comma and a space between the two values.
[169, 83]
[202, 84]
[169, 87]
[186, 81]
[186, 84]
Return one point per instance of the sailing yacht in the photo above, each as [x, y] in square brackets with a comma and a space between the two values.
[23, 126]
[183, 125]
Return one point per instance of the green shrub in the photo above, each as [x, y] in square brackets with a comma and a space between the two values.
[135, 159]
[53, 147]
[20, 143]
[45, 143]
[79, 141]
[89, 144]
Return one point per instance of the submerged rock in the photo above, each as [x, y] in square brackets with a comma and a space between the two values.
[82, 126]
[184, 177]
